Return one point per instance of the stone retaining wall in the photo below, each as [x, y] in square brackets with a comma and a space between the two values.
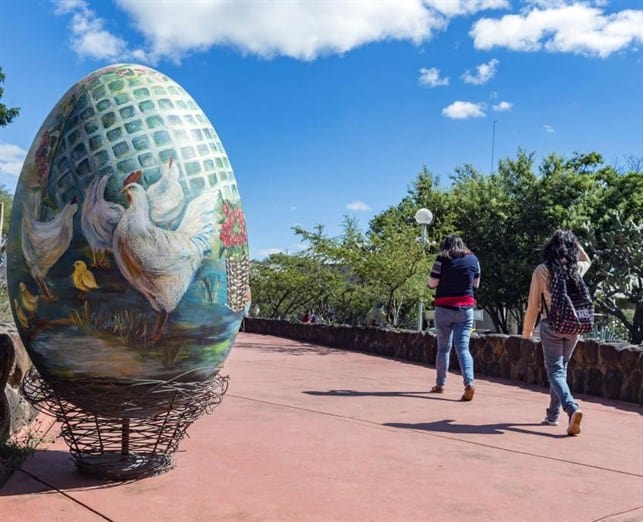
[611, 370]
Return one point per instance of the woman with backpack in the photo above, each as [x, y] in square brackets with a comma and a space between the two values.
[564, 264]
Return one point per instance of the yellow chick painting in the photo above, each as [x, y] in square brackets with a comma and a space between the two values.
[83, 278]
[20, 314]
[28, 301]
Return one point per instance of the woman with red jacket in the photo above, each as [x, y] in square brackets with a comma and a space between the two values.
[455, 274]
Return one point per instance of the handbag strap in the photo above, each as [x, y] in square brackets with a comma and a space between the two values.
[543, 305]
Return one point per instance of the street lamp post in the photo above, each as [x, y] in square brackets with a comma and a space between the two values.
[423, 217]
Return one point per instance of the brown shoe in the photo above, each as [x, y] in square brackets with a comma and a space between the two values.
[469, 390]
[437, 389]
[574, 423]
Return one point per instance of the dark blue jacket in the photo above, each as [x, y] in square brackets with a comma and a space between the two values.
[457, 279]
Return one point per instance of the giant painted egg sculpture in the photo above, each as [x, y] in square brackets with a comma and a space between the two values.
[127, 252]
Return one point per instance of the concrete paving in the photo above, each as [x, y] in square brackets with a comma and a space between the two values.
[308, 433]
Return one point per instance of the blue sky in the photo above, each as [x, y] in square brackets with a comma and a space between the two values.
[331, 108]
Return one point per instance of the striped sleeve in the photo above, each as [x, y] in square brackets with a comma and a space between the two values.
[434, 278]
[476, 276]
[436, 270]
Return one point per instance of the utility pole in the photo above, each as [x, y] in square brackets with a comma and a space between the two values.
[493, 143]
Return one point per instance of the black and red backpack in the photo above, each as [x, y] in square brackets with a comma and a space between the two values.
[572, 309]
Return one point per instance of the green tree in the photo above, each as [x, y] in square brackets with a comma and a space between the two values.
[346, 296]
[505, 218]
[377, 267]
[7, 114]
[394, 267]
[500, 220]
[623, 192]
[6, 200]
[616, 274]
[284, 286]
[571, 190]
[351, 297]
[424, 192]
[612, 231]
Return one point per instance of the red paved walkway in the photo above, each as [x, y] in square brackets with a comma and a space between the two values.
[307, 433]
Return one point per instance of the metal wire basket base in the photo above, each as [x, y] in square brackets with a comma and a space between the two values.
[114, 466]
[121, 434]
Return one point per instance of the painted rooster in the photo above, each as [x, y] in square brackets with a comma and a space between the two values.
[162, 263]
[165, 195]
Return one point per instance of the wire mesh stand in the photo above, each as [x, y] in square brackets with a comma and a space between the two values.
[124, 431]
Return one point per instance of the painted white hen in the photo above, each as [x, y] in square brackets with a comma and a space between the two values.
[44, 242]
[99, 219]
[161, 263]
[166, 196]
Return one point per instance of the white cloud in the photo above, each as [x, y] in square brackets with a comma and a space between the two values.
[549, 129]
[484, 73]
[502, 106]
[431, 77]
[66, 6]
[549, 4]
[11, 159]
[359, 206]
[546, 4]
[88, 37]
[463, 7]
[301, 30]
[559, 27]
[461, 110]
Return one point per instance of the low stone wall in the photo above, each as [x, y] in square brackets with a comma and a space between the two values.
[611, 370]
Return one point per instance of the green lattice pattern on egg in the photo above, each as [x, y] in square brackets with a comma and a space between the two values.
[126, 118]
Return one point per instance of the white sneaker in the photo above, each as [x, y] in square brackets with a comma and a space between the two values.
[574, 423]
[549, 422]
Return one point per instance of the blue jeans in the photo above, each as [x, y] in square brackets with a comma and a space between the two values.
[557, 351]
[453, 327]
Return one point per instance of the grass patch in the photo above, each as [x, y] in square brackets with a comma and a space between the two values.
[14, 450]
[6, 317]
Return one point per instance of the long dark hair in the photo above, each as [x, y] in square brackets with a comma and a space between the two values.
[561, 253]
[452, 247]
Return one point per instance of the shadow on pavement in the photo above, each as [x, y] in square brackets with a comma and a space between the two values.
[355, 393]
[35, 481]
[632, 407]
[448, 426]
